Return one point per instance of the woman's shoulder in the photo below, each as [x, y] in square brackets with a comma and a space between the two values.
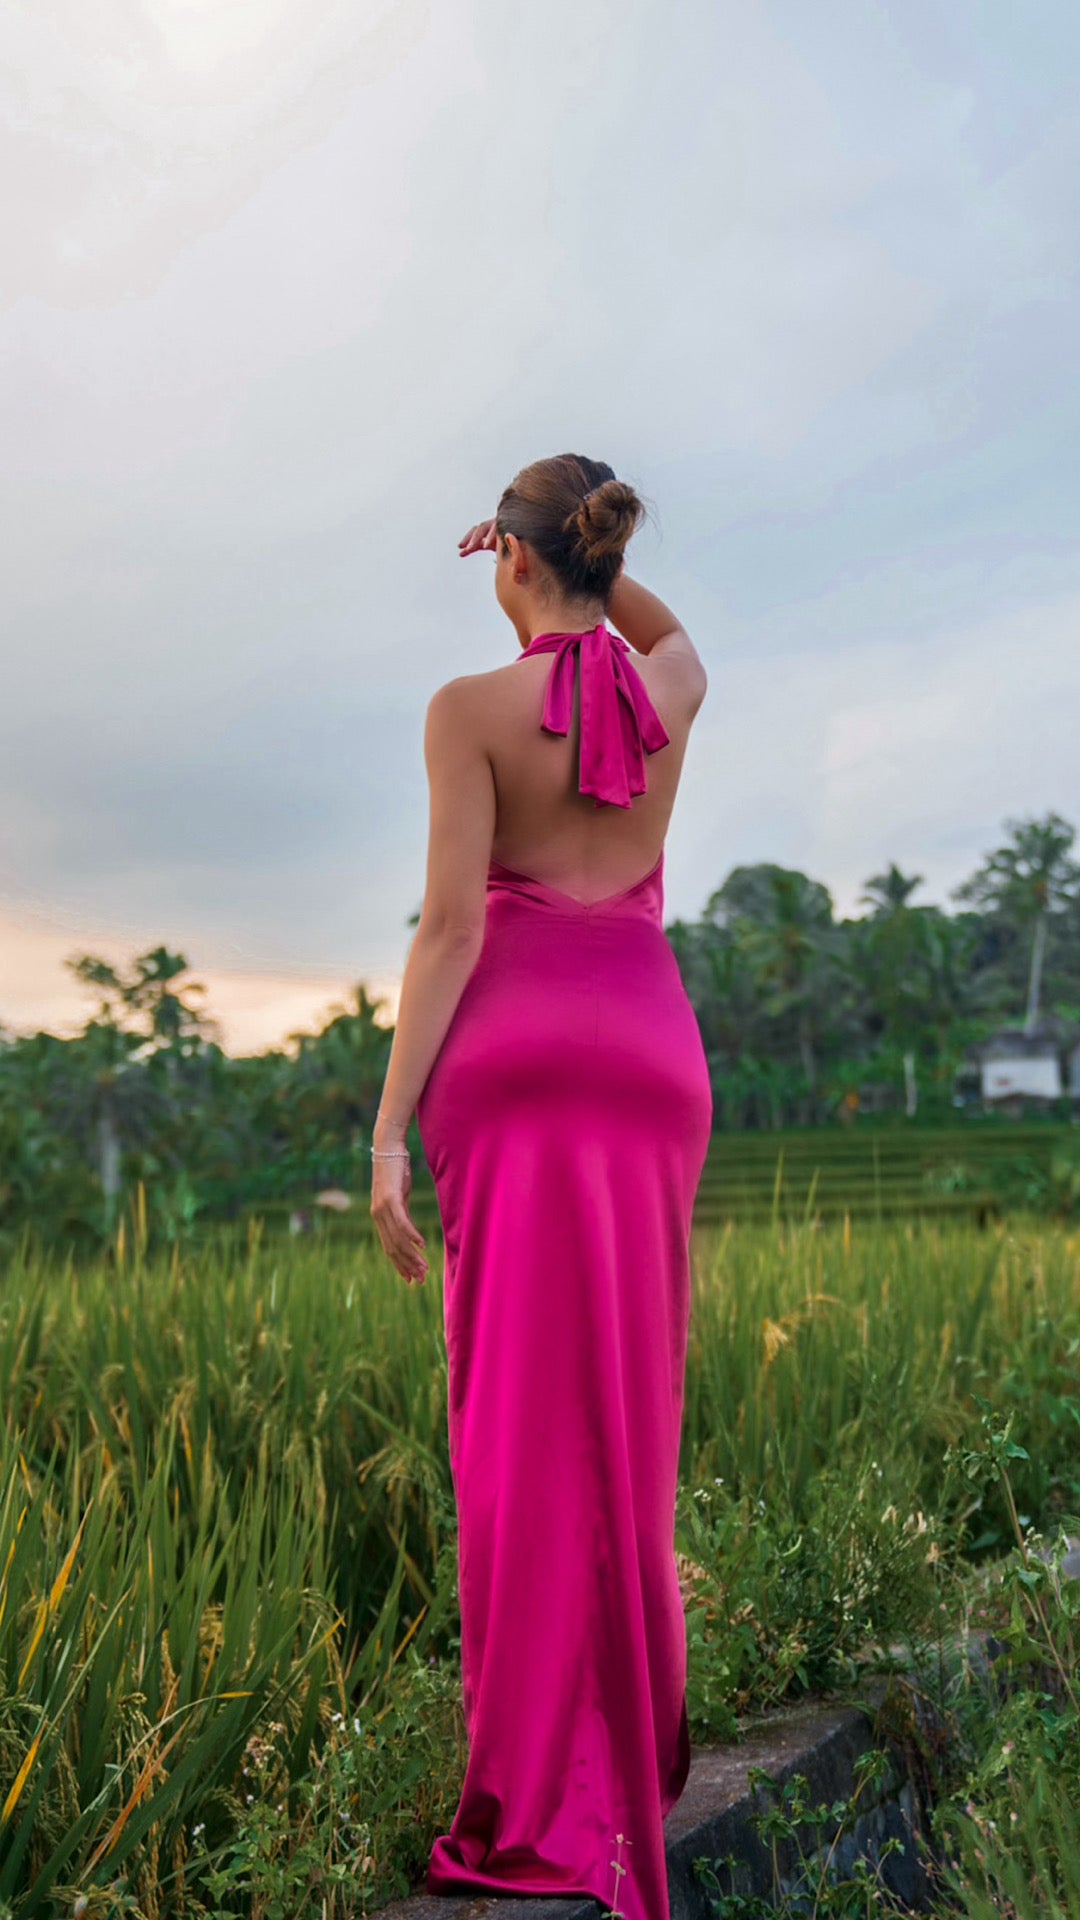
[468, 690]
[481, 704]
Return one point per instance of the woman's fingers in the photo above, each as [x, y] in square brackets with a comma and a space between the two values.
[406, 1249]
[479, 538]
[402, 1242]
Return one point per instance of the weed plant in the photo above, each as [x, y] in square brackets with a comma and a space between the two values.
[991, 1735]
[228, 1607]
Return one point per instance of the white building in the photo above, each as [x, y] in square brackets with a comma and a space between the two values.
[1015, 1065]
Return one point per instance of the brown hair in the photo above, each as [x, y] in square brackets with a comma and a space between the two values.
[576, 517]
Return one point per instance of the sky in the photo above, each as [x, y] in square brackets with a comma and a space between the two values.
[290, 289]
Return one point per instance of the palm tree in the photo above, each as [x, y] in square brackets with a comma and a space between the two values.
[143, 1018]
[339, 1074]
[1024, 883]
[891, 950]
[949, 987]
[721, 991]
[890, 891]
[783, 923]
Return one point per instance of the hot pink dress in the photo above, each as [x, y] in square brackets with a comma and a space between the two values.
[565, 1121]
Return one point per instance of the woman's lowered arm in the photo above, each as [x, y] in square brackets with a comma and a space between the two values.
[444, 950]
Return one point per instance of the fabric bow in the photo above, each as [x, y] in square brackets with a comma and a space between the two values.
[619, 724]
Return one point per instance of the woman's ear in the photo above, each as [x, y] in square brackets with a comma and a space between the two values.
[519, 559]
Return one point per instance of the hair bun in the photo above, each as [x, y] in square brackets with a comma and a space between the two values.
[577, 517]
[607, 519]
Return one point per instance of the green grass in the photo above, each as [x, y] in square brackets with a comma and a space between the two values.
[227, 1546]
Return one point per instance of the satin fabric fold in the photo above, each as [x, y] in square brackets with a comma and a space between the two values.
[619, 724]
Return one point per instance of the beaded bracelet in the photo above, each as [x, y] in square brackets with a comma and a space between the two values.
[395, 1153]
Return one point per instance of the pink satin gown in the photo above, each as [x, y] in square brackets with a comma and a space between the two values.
[565, 1121]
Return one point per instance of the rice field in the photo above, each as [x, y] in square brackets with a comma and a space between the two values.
[227, 1596]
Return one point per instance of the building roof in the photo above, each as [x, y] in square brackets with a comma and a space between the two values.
[1051, 1037]
[1014, 1044]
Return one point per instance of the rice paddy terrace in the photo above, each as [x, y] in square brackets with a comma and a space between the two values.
[881, 1174]
[877, 1175]
[971, 1171]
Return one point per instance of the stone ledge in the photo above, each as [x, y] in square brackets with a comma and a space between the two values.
[713, 1819]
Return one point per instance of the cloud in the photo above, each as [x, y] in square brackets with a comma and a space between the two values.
[914, 751]
[143, 124]
[292, 292]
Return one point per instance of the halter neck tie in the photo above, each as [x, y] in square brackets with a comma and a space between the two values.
[619, 724]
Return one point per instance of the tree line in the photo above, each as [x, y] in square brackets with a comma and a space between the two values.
[804, 1017]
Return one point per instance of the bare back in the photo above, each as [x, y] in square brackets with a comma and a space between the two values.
[544, 826]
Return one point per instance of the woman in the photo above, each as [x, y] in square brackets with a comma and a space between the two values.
[547, 1045]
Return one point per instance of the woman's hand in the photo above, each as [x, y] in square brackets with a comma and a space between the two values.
[479, 539]
[402, 1242]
